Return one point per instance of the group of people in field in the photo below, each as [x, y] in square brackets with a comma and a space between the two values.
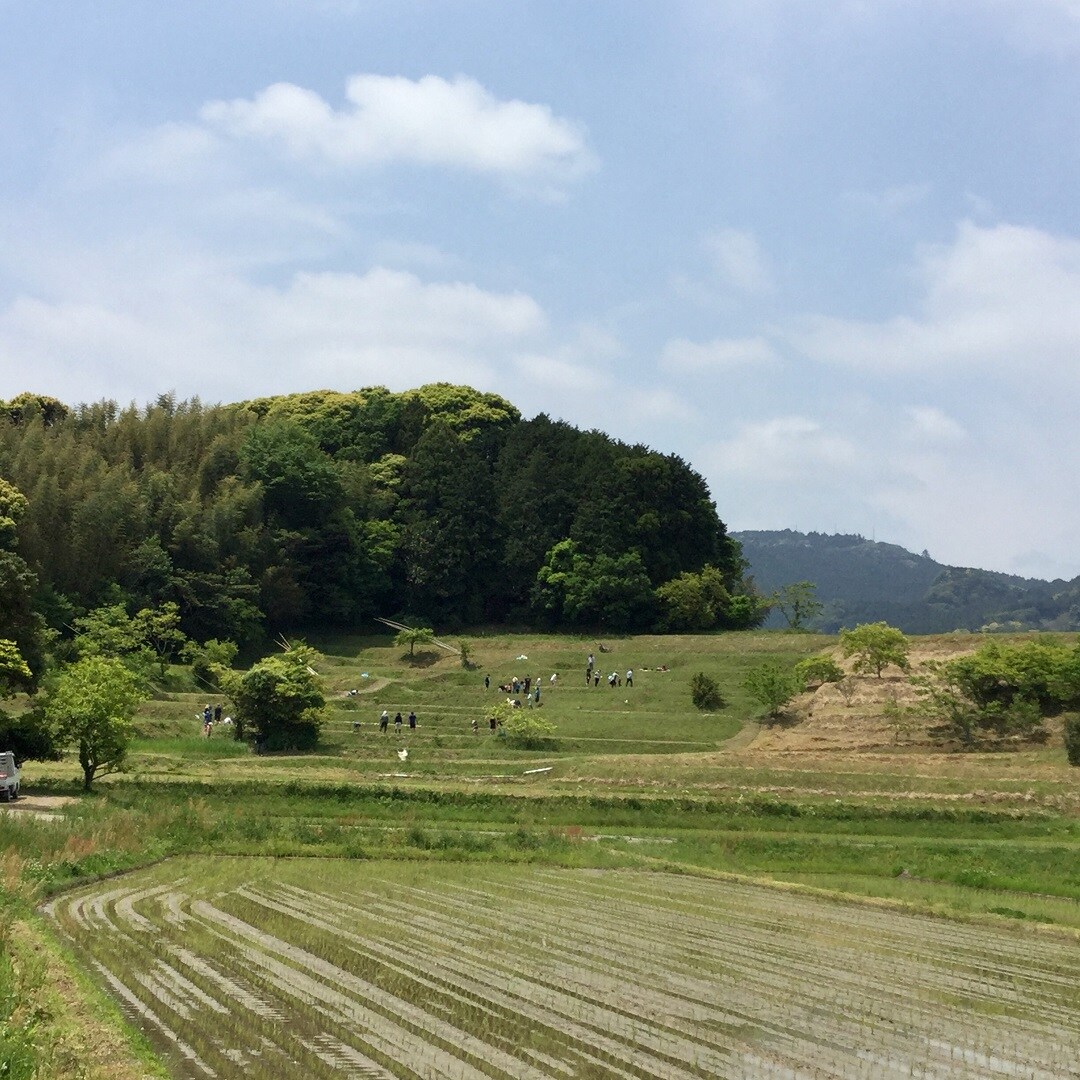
[211, 715]
[384, 721]
[530, 688]
[516, 687]
[592, 675]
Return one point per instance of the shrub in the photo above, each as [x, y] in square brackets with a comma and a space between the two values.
[705, 693]
[528, 731]
[772, 686]
[955, 694]
[815, 670]
[1072, 739]
[899, 717]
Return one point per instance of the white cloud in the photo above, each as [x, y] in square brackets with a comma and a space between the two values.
[930, 424]
[586, 377]
[430, 121]
[408, 254]
[581, 365]
[1003, 299]
[739, 260]
[270, 206]
[720, 354]
[171, 154]
[1000, 508]
[785, 449]
[909, 476]
[203, 330]
[645, 405]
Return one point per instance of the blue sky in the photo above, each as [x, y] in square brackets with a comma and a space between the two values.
[828, 252]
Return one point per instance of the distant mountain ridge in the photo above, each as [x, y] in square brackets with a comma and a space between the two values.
[860, 580]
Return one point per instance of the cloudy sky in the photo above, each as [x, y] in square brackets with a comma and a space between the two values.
[826, 250]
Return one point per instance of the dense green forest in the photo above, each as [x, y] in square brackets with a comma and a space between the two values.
[440, 504]
[860, 580]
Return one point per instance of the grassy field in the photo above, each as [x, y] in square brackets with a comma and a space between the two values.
[829, 804]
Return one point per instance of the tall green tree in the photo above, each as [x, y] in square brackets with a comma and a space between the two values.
[25, 734]
[278, 702]
[90, 706]
[19, 621]
[447, 518]
[701, 601]
[798, 603]
[413, 636]
[574, 588]
[110, 632]
[875, 647]
[15, 675]
[540, 477]
[159, 628]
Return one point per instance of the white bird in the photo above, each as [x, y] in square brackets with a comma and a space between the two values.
[403, 754]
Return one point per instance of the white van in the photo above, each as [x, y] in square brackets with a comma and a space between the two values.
[9, 776]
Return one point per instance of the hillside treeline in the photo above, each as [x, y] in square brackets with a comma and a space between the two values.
[440, 504]
[860, 580]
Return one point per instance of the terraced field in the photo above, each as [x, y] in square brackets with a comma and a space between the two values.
[316, 968]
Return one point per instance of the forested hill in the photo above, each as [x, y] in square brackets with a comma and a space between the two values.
[862, 580]
[440, 504]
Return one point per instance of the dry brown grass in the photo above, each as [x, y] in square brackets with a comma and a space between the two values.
[830, 722]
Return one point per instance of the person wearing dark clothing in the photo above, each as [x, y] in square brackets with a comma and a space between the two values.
[384, 721]
[397, 722]
[412, 720]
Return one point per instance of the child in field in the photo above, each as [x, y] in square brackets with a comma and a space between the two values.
[384, 721]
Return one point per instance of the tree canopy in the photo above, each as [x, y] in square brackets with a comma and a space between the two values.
[278, 702]
[271, 515]
[875, 647]
[90, 706]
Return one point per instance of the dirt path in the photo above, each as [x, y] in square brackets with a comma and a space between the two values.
[43, 806]
[743, 737]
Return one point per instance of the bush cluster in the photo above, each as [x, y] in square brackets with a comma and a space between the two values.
[1002, 691]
